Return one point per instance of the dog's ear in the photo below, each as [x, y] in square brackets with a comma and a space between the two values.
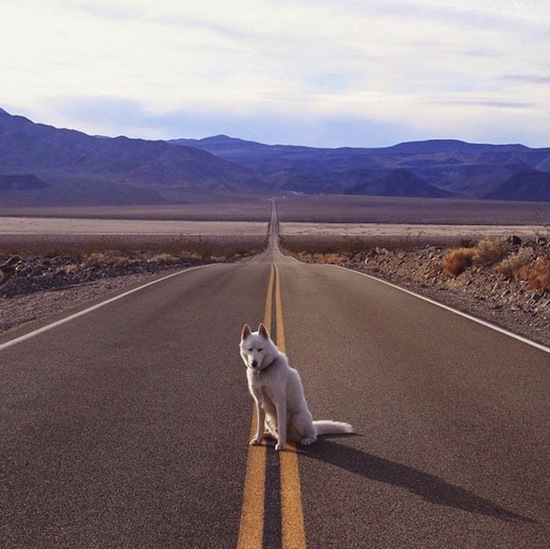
[246, 332]
[263, 331]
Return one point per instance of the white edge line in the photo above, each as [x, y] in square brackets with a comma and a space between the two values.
[39, 331]
[456, 311]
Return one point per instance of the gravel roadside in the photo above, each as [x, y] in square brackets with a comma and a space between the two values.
[22, 310]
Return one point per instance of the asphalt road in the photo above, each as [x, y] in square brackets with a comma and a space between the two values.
[128, 426]
[453, 419]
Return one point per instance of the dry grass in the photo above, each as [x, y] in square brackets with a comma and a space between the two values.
[77, 248]
[39, 265]
[458, 260]
[349, 247]
[485, 253]
[516, 266]
[530, 266]
[491, 250]
[539, 274]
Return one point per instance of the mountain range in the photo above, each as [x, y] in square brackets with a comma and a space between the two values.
[433, 168]
[43, 165]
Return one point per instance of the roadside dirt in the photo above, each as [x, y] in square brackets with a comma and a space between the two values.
[22, 309]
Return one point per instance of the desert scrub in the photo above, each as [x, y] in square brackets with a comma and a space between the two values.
[343, 249]
[491, 250]
[458, 260]
[485, 253]
[110, 257]
[516, 266]
[539, 274]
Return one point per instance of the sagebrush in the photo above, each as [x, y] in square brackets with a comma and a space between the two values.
[458, 260]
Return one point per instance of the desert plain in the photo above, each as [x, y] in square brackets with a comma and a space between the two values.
[299, 215]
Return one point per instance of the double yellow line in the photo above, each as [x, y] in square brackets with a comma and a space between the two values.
[252, 514]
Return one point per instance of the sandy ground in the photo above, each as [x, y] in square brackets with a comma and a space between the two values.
[402, 230]
[47, 225]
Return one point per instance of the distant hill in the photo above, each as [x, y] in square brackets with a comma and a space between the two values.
[398, 182]
[532, 185]
[81, 169]
[435, 146]
[544, 165]
[451, 167]
[24, 182]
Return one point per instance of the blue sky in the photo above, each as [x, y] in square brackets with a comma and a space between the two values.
[312, 72]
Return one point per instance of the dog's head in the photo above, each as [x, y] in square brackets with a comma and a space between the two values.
[257, 349]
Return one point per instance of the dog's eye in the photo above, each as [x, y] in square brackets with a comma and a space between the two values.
[260, 350]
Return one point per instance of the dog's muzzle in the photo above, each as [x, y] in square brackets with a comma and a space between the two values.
[258, 367]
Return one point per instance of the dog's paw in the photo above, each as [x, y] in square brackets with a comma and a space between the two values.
[308, 440]
[279, 447]
[255, 441]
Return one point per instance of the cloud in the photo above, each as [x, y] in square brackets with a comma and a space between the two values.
[485, 102]
[528, 78]
[466, 118]
[278, 70]
[107, 115]
[105, 10]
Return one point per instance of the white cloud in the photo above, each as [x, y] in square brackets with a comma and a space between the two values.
[406, 68]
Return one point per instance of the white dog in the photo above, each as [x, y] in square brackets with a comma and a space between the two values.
[279, 395]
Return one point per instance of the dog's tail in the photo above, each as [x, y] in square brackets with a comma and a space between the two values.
[328, 427]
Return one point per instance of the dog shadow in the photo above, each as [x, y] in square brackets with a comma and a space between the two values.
[427, 486]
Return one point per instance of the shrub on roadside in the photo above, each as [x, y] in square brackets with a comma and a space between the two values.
[539, 274]
[458, 260]
[491, 250]
[486, 252]
[516, 266]
[110, 257]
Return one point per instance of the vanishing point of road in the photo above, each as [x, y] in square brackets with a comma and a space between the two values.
[127, 425]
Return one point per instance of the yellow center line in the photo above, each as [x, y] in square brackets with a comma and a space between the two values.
[252, 513]
[292, 516]
[251, 528]
[269, 299]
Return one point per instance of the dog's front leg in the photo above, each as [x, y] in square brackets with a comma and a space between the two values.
[260, 416]
[281, 423]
